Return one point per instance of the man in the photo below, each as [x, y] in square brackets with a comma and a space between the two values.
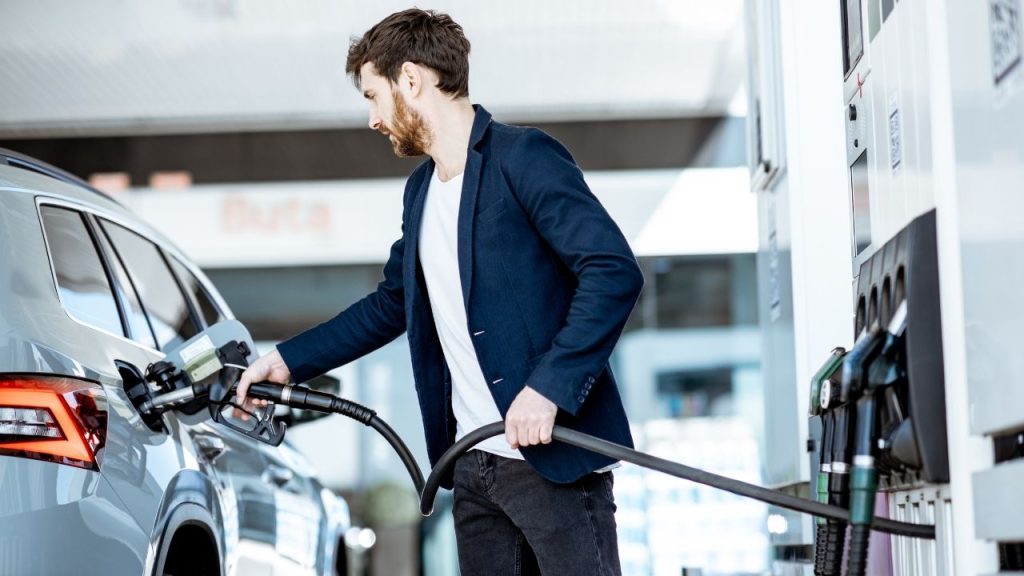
[513, 284]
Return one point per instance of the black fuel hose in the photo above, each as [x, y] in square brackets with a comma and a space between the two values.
[299, 397]
[612, 450]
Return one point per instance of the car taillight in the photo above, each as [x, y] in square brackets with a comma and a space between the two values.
[52, 418]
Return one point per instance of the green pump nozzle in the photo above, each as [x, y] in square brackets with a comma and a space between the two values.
[821, 381]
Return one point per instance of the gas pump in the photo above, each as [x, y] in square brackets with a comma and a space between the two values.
[884, 418]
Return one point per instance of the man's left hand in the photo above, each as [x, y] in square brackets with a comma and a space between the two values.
[530, 419]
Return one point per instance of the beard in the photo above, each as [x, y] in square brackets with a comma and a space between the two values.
[408, 131]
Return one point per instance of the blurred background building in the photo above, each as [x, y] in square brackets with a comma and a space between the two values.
[231, 127]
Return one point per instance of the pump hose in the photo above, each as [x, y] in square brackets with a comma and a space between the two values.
[819, 549]
[322, 402]
[858, 562]
[833, 547]
[313, 400]
[612, 450]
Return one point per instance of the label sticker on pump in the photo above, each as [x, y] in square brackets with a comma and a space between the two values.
[895, 134]
[1005, 26]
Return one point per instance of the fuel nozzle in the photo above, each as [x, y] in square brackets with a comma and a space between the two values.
[889, 368]
[821, 381]
[175, 389]
[882, 367]
[822, 385]
[828, 550]
[843, 396]
[857, 362]
[897, 446]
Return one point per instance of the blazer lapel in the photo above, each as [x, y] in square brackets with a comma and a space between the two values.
[467, 204]
[467, 207]
[412, 228]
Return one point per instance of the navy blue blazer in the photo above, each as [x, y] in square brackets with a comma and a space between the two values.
[548, 281]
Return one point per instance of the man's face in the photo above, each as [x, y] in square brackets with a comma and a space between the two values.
[391, 115]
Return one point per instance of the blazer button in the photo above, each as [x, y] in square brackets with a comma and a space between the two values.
[581, 398]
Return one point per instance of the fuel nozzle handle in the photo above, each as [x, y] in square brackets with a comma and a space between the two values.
[818, 398]
[890, 367]
[307, 399]
[857, 362]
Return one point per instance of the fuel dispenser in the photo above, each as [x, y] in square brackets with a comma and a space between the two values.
[882, 404]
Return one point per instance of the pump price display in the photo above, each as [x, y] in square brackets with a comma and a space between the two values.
[1004, 22]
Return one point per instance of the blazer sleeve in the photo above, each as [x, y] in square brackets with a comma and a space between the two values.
[551, 189]
[360, 329]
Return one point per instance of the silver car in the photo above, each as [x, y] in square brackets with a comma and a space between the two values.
[89, 297]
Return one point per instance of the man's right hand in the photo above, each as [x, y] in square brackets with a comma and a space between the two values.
[270, 367]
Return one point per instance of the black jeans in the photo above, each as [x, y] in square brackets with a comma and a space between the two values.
[511, 521]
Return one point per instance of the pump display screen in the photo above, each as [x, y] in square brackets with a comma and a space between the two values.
[861, 200]
[853, 39]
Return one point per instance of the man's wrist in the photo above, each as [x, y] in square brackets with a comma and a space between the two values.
[540, 394]
[277, 364]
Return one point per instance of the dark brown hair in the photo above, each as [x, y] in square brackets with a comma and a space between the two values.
[424, 37]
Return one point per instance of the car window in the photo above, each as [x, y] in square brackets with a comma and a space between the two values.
[138, 324]
[207, 308]
[81, 278]
[159, 292]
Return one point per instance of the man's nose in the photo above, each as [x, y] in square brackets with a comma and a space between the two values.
[374, 122]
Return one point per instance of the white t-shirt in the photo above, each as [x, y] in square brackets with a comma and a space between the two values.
[472, 403]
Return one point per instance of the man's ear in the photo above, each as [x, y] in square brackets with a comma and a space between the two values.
[411, 77]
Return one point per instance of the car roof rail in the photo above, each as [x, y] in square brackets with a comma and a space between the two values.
[19, 160]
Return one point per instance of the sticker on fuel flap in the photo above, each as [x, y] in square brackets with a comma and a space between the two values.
[200, 359]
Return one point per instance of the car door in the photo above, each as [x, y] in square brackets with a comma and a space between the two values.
[165, 290]
[285, 503]
[299, 510]
[243, 464]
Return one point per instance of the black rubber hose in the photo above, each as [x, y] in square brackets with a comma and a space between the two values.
[822, 555]
[835, 547]
[403, 451]
[839, 488]
[819, 550]
[361, 413]
[860, 534]
[612, 450]
[305, 398]
[829, 546]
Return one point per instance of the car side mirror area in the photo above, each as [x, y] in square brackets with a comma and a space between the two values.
[325, 383]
